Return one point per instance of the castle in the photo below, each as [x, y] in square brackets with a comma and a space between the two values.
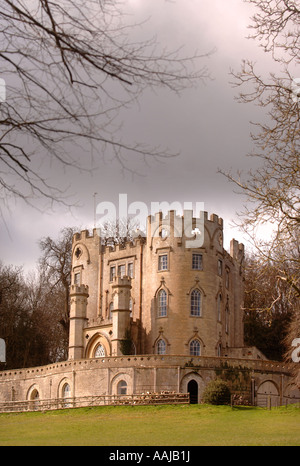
[163, 312]
[160, 292]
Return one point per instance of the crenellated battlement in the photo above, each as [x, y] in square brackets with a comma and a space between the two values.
[121, 282]
[127, 246]
[160, 217]
[237, 250]
[172, 217]
[178, 226]
[79, 290]
[85, 235]
[215, 219]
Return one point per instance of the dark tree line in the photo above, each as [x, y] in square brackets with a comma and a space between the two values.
[34, 310]
[270, 308]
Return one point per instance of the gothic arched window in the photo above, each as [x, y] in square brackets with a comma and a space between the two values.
[122, 388]
[162, 303]
[161, 346]
[227, 319]
[196, 303]
[66, 395]
[100, 352]
[219, 304]
[195, 348]
[111, 308]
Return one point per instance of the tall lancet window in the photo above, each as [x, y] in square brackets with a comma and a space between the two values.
[162, 303]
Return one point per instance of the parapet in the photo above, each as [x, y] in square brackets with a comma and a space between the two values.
[216, 219]
[179, 226]
[172, 216]
[121, 282]
[79, 290]
[237, 250]
[85, 235]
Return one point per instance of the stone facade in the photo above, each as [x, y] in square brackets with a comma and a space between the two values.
[161, 313]
[182, 300]
[97, 377]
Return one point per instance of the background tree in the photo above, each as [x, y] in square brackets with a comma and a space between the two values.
[55, 265]
[34, 310]
[119, 231]
[21, 324]
[70, 66]
[272, 190]
[269, 306]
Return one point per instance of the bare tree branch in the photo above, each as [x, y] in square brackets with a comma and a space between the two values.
[70, 67]
[272, 192]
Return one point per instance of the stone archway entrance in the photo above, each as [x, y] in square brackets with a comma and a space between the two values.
[193, 384]
[267, 393]
[192, 389]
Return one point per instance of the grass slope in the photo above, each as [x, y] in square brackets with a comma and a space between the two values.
[191, 425]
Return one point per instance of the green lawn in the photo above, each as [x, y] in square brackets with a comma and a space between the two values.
[185, 425]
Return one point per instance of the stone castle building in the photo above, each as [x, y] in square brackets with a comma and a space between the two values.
[160, 292]
[161, 313]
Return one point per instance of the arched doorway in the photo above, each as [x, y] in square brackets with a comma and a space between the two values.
[193, 391]
[122, 388]
[66, 395]
[35, 400]
[267, 391]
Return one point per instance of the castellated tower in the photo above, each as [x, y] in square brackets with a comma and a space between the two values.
[175, 291]
[120, 313]
[78, 320]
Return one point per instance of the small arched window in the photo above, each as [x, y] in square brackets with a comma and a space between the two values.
[195, 348]
[66, 391]
[35, 395]
[219, 306]
[196, 303]
[161, 346]
[162, 303]
[122, 388]
[66, 394]
[227, 319]
[111, 308]
[100, 352]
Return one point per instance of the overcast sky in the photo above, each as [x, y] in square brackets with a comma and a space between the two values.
[204, 124]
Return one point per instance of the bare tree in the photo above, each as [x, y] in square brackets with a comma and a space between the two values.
[120, 231]
[272, 191]
[273, 199]
[70, 66]
[55, 267]
[22, 325]
[268, 307]
[276, 26]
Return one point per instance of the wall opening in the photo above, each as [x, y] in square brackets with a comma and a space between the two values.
[193, 391]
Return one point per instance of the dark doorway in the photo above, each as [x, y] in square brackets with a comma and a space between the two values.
[193, 391]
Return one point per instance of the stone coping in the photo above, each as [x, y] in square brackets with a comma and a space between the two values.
[150, 360]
